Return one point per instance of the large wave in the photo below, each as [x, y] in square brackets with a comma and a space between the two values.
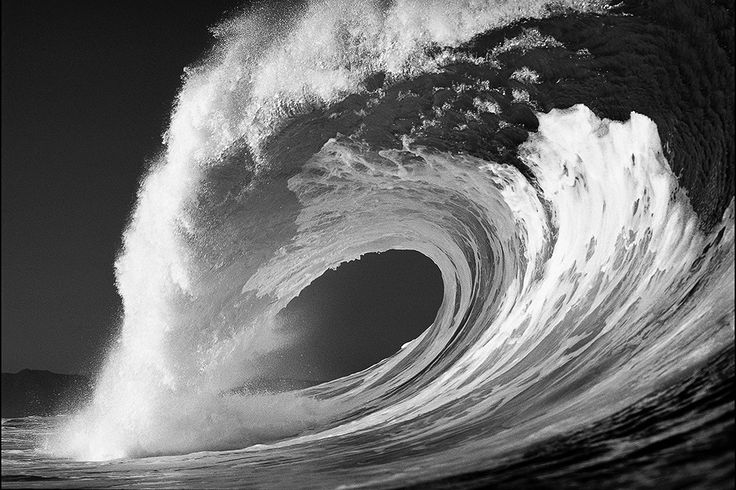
[578, 279]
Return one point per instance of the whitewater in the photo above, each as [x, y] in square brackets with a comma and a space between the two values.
[586, 329]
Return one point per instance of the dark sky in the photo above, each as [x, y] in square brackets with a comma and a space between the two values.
[87, 88]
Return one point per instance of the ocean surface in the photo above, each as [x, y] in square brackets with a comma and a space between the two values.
[568, 166]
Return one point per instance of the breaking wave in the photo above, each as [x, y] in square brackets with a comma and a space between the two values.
[578, 278]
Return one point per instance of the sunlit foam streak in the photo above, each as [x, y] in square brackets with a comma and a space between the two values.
[566, 296]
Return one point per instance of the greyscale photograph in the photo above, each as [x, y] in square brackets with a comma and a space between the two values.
[377, 244]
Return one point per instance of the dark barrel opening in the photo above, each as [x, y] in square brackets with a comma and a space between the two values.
[354, 316]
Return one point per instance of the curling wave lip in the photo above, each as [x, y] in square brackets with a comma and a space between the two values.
[578, 282]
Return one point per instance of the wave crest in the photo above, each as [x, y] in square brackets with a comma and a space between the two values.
[576, 280]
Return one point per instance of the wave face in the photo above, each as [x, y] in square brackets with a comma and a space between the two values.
[588, 301]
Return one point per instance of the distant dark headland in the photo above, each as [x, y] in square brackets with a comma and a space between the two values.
[32, 392]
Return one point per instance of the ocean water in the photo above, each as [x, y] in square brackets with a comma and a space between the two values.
[567, 166]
